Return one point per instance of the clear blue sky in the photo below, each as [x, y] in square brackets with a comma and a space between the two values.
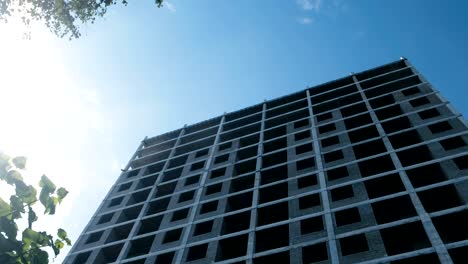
[147, 71]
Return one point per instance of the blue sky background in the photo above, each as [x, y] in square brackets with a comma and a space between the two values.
[146, 71]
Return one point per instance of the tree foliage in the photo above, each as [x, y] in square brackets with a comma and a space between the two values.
[62, 17]
[29, 248]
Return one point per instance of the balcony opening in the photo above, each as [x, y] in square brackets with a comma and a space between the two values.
[347, 216]
[214, 188]
[94, 237]
[396, 124]
[158, 206]
[264, 239]
[149, 225]
[225, 146]
[307, 181]
[173, 174]
[247, 153]
[376, 166]
[272, 213]
[404, 238]
[429, 113]
[282, 257]
[165, 258]
[440, 127]
[242, 183]
[197, 252]
[427, 258]
[382, 101]
[165, 189]
[461, 162]
[119, 233]
[275, 158]
[337, 173]
[192, 180]
[140, 246]
[82, 257]
[244, 167]
[419, 101]
[209, 207]
[232, 247]
[368, 149]
[138, 197]
[353, 110]
[305, 164]
[235, 223]
[180, 214]
[426, 175]
[358, 121]
[342, 193]
[302, 135]
[330, 141]
[130, 214]
[249, 140]
[274, 192]
[203, 228]
[274, 133]
[405, 139]
[276, 144]
[109, 254]
[172, 235]
[410, 91]
[218, 173]
[202, 153]
[105, 218]
[221, 158]
[186, 196]
[394, 209]
[440, 198]
[239, 201]
[324, 117]
[326, 128]
[452, 227]
[115, 201]
[301, 123]
[414, 155]
[314, 253]
[362, 134]
[383, 186]
[333, 156]
[147, 182]
[312, 225]
[274, 174]
[304, 148]
[197, 166]
[452, 143]
[388, 112]
[353, 244]
[309, 201]
[124, 187]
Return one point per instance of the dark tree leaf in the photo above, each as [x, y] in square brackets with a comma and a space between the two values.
[9, 227]
[47, 184]
[16, 207]
[61, 193]
[32, 217]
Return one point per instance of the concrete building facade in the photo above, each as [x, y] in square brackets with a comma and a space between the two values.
[369, 168]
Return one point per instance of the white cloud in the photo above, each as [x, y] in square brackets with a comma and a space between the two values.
[309, 4]
[170, 6]
[305, 20]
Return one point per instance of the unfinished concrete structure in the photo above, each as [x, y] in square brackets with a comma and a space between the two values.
[370, 168]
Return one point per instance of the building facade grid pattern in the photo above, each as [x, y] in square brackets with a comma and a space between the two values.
[370, 168]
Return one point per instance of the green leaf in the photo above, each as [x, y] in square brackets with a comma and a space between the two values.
[62, 234]
[61, 193]
[20, 162]
[47, 184]
[13, 176]
[27, 193]
[9, 227]
[30, 236]
[59, 245]
[16, 206]
[39, 257]
[4, 208]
